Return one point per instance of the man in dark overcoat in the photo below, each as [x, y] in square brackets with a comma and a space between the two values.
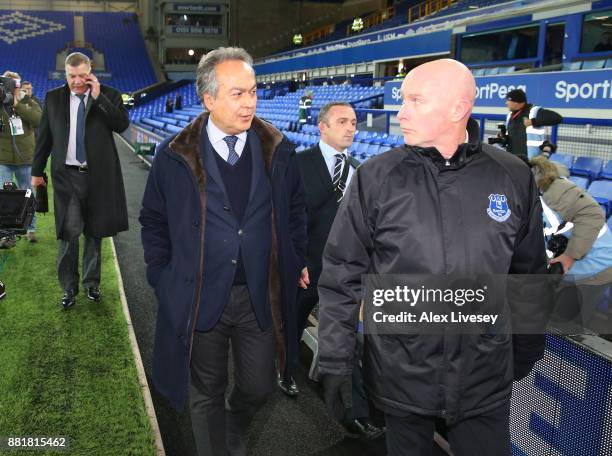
[224, 237]
[76, 130]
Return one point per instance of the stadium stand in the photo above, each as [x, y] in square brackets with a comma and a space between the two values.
[602, 192]
[589, 167]
[581, 182]
[30, 41]
[606, 172]
[435, 11]
[129, 66]
[566, 160]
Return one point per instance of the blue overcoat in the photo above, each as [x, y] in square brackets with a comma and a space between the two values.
[173, 219]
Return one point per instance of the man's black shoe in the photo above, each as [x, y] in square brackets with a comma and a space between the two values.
[288, 387]
[93, 293]
[68, 299]
[363, 427]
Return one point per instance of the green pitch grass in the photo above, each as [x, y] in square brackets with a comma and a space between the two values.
[66, 373]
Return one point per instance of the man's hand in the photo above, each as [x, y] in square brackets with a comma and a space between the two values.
[38, 180]
[566, 261]
[304, 279]
[527, 122]
[94, 86]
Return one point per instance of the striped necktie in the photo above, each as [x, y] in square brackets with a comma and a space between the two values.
[338, 169]
[233, 156]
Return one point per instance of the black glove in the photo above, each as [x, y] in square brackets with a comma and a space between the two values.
[338, 394]
[522, 369]
[528, 349]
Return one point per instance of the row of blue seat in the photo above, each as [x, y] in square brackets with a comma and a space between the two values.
[588, 64]
[591, 168]
[601, 191]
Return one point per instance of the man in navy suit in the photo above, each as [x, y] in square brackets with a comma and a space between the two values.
[224, 236]
[326, 171]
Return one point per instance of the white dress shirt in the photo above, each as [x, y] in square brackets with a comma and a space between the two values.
[329, 154]
[216, 135]
[74, 109]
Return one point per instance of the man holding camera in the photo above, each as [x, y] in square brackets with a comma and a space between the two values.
[76, 129]
[19, 119]
[525, 124]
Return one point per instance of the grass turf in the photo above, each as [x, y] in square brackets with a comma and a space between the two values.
[66, 373]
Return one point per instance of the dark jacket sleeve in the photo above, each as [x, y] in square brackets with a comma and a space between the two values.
[530, 295]
[297, 211]
[345, 258]
[44, 142]
[154, 221]
[114, 113]
[545, 118]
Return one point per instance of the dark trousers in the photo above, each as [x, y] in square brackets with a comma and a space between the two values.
[489, 433]
[73, 226]
[220, 424]
[306, 301]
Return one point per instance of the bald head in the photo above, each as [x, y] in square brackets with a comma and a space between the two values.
[448, 77]
[438, 97]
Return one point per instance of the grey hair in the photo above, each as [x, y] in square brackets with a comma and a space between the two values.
[206, 79]
[77, 58]
[323, 113]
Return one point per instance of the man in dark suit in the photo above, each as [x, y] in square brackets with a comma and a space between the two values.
[224, 237]
[327, 170]
[76, 129]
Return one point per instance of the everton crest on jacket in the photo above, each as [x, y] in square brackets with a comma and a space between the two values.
[410, 211]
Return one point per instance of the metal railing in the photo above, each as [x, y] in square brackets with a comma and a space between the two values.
[428, 7]
[578, 137]
[377, 17]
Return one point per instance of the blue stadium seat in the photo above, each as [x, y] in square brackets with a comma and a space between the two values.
[362, 148]
[602, 192]
[372, 150]
[361, 135]
[589, 167]
[152, 123]
[572, 66]
[507, 69]
[593, 64]
[581, 182]
[608, 63]
[567, 160]
[606, 172]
